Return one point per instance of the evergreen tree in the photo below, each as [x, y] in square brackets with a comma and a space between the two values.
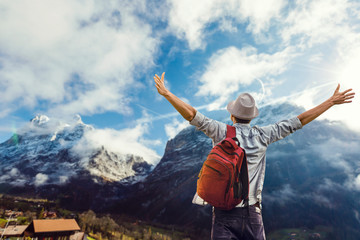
[41, 214]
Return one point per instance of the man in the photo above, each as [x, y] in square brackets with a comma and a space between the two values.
[245, 222]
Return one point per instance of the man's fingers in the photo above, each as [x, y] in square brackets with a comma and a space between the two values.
[350, 94]
[162, 77]
[156, 79]
[159, 82]
[349, 97]
[337, 88]
[346, 91]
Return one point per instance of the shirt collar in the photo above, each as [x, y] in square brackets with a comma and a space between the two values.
[242, 124]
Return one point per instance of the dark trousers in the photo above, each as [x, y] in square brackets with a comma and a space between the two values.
[238, 224]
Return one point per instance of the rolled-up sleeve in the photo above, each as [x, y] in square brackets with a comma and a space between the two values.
[279, 130]
[214, 129]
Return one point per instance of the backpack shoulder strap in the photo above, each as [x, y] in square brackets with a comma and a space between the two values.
[230, 131]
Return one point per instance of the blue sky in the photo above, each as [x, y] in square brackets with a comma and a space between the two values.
[98, 58]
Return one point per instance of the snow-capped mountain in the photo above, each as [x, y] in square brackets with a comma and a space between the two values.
[46, 152]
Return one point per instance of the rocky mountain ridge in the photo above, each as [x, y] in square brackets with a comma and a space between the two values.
[44, 152]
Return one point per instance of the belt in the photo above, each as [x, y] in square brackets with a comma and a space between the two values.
[257, 204]
[247, 208]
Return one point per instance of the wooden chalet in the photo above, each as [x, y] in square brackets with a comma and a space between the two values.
[13, 231]
[52, 229]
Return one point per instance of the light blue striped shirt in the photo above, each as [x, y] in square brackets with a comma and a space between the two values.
[254, 140]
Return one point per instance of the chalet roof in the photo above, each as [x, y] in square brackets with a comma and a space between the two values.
[55, 225]
[13, 230]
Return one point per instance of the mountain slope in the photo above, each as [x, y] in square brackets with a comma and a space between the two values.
[312, 178]
[165, 195]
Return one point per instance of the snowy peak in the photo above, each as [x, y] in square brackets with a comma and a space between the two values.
[39, 120]
[77, 119]
[53, 128]
[112, 167]
[44, 121]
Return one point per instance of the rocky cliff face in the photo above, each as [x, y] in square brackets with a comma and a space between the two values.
[166, 194]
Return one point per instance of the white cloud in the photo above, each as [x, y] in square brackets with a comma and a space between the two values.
[337, 154]
[80, 57]
[125, 141]
[63, 179]
[230, 68]
[345, 72]
[306, 99]
[4, 177]
[312, 22]
[328, 185]
[227, 25]
[321, 200]
[40, 179]
[357, 182]
[349, 72]
[5, 112]
[332, 150]
[13, 177]
[304, 26]
[173, 128]
[306, 22]
[189, 19]
[353, 182]
[14, 172]
[260, 13]
[316, 58]
[283, 195]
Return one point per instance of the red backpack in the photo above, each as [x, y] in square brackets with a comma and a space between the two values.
[223, 179]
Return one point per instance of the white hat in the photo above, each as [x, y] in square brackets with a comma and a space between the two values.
[243, 107]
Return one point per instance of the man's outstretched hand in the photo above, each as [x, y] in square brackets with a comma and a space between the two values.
[342, 97]
[160, 85]
[337, 98]
[185, 109]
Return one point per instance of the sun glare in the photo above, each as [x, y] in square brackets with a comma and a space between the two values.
[350, 73]
[348, 77]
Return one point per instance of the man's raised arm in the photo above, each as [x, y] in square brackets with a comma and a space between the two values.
[336, 98]
[187, 111]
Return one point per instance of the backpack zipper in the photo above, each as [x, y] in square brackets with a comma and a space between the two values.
[223, 158]
[213, 169]
[233, 153]
[230, 175]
